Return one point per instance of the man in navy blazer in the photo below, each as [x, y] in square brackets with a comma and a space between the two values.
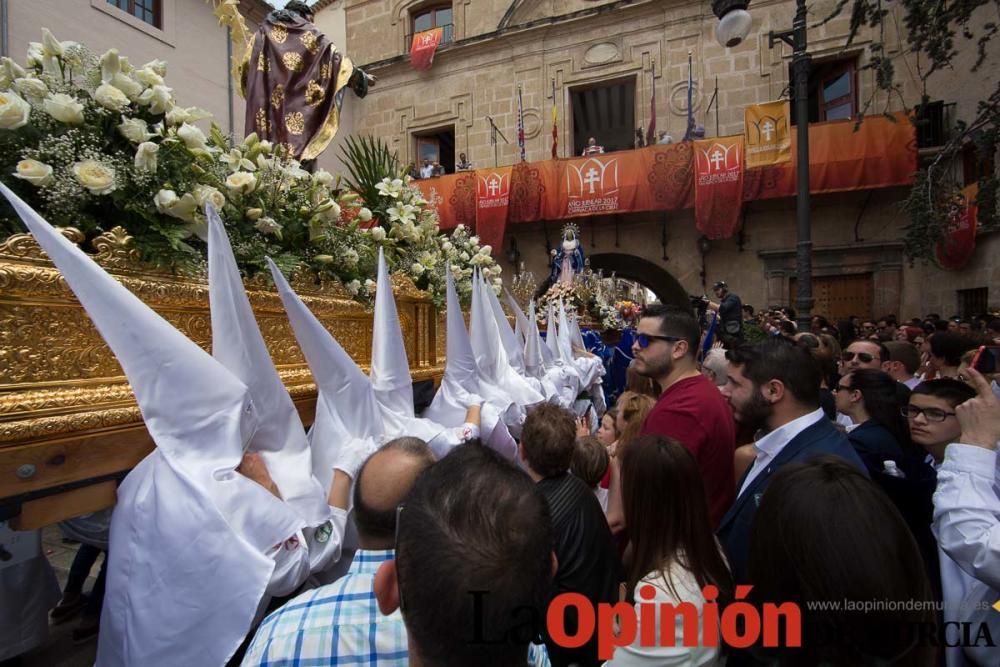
[774, 385]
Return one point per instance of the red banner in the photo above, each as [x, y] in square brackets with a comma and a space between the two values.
[960, 244]
[492, 202]
[718, 189]
[423, 47]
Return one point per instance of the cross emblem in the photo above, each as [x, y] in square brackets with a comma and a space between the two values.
[768, 130]
[592, 177]
[717, 158]
[493, 186]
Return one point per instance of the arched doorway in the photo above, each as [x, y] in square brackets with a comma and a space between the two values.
[664, 286]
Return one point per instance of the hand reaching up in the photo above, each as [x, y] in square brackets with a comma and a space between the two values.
[253, 468]
[980, 416]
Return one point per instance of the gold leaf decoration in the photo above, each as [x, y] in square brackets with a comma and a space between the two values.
[293, 61]
[279, 34]
[262, 124]
[310, 42]
[314, 94]
[278, 96]
[295, 122]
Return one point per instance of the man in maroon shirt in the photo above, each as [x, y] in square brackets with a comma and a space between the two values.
[690, 409]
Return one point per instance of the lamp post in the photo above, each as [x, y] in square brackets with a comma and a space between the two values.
[733, 27]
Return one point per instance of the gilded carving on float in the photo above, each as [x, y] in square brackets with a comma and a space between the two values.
[58, 378]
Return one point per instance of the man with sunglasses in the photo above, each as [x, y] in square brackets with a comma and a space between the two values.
[690, 409]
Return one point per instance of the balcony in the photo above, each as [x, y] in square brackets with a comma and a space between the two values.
[447, 37]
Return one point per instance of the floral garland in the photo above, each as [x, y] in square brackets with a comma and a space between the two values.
[95, 143]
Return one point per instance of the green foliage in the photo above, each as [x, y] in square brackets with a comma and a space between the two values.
[368, 161]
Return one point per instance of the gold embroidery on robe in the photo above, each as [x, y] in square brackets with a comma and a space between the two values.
[263, 126]
[309, 41]
[293, 61]
[295, 122]
[278, 96]
[314, 93]
[279, 34]
[324, 72]
[261, 63]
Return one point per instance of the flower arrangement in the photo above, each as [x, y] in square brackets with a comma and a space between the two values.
[96, 142]
[565, 292]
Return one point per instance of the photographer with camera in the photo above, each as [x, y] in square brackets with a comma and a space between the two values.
[730, 310]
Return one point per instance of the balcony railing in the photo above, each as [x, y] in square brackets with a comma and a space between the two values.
[447, 37]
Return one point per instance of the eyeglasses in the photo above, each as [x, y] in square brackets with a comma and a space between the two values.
[930, 414]
[843, 387]
[863, 357]
[643, 340]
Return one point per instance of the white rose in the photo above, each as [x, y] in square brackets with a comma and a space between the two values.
[378, 234]
[486, 250]
[267, 225]
[110, 97]
[254, 213]
[350, 257]
[95, 176]
[265, 147]
[416, 269]
[135, 130]
[498, 282]
[192, 137]
[446, 246]
[110, 65]
[330, 210]
[241, 182]
[206, 193]
[177, 116]
[36, 55]
[158, 66]
[168, 203]
[464, 256]
[323, 177]
[14, 111]
[353, 287]
[31, 87]
[64, 108]
[50, 45]
[460, 228]
[35, 172]
[158, 98]
[11, 71]
[131, 87]
[148, 77]
[145, 156]
[364, 215]
[370, 285]
[473, 240]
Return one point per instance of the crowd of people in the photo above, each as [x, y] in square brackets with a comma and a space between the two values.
[846, 475]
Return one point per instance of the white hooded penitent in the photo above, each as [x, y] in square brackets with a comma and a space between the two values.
[189, 534]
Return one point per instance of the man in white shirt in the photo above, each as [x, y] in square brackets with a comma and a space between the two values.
[967, 526]
[774, 384]
[427, 171]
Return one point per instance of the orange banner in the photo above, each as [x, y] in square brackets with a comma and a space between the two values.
[718, 189]
[423, 46]
[880, 154]
[492, 202]
[765, 132]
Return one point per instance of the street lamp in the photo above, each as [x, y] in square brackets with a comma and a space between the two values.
[733, 27]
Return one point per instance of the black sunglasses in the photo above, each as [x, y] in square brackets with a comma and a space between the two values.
[863, 357]
[643, 340]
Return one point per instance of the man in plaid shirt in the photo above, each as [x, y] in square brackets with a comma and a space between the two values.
[340, 623]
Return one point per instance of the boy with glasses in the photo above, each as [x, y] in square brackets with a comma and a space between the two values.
[931, 414]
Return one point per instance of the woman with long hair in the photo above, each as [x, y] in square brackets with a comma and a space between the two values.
[825, 532]
[632, 411]
[872, 399]
[674, 553]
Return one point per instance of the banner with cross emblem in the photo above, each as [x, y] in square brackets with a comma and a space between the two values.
[718, 194]
[765, 129]
[423, 46]
[492, 201]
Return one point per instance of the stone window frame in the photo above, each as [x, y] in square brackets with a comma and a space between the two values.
[166, 33]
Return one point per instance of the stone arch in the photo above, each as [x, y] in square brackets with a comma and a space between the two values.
[666, 288]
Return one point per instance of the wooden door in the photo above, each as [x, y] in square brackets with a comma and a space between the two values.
[839, 297]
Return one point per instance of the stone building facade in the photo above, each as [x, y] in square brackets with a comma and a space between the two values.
[496, 46]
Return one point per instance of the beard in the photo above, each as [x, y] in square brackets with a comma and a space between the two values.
[755, 412]
[655, 368]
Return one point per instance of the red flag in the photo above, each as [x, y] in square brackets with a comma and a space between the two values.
[960, 243]
[651, 132]
[718, 195]
[423, 47]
